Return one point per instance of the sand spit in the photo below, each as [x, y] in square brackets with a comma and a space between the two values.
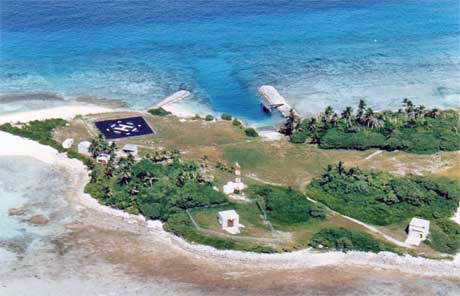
[13, 145]
[65, 112]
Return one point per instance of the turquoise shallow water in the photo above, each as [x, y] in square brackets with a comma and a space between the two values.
[316, 52]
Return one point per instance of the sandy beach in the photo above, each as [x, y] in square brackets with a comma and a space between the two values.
[64, 112]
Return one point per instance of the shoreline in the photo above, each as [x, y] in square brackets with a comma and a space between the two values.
[64, 112]
[18, 146]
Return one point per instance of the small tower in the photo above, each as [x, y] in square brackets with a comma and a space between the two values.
[237, 173]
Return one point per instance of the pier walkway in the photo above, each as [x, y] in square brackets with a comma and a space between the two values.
[174, 98]
[273, 97]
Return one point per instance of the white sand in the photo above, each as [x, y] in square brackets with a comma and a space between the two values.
[65, 112]
[271, 135]
[13, 145]
[179, 111]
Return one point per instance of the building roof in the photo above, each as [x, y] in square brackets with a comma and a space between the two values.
[84, 144]
[422, 223]
[130, 147]
[229, 214]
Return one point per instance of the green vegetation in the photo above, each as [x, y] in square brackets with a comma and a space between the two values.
[343, 239]
[101, 146]
[159, 112]
[236, 122]
[181, 225]
[209, 117]
[251, 132]
[382, 199]
[444, 236]
[226, 116]
[40, 131]
[413, 129]
[285, 206]
[153, 187]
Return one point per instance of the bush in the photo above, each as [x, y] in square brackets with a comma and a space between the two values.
[345, 240]
[159, 112]
[383, 199]
[298, 137]
[209, 117]
[250, 132]
[40, 131]
[236, 122]
[444, 236]
[414, 129]
[226, 116]
[286, 206]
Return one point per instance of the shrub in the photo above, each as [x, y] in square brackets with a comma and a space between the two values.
[250, 132]
[343, 239]
[209, 117]
[40, 131]
[286, 206]
[382, 199]
[226, 116]
[159, 112]
[298, 137]
[236, 122]
[444, 236]
[413, 129]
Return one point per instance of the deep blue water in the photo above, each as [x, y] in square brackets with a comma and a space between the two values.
[317, 53]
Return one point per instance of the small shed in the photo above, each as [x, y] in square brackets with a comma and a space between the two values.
[230, 221]
[103, 158]
[67, 143]
[83, 148]
[418, 231]
[130, 149]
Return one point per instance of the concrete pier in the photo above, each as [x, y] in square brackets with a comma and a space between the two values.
[273, 97]
[174, 98]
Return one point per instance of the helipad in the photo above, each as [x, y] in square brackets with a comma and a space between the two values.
[124, 127]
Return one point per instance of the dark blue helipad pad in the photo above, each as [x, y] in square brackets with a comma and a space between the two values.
[124, 127]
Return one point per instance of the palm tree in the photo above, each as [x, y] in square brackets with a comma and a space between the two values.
[133, 190]
[290, 124]
[107, 192]
[371, 120]
[347, 115]
[420, 111]
[328, 112]
[434, 113]
[147, 178]
[361, 108]
[409, 108]
[124, 175]
[327, 176]
[109, 168]
[340, 168]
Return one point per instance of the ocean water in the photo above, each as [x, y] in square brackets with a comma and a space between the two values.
[317, 53]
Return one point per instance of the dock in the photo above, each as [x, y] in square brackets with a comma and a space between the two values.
[273, 97]
[174, 98]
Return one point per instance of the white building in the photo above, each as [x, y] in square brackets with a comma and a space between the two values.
[231, 187]
[83, 148]
[130, 149]
[103, 158]
[418, 231]
[230, 221]
[67, 143]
